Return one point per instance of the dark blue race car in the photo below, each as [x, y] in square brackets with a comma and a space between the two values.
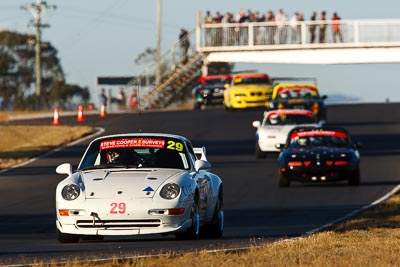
[210, 90]
[318, 155]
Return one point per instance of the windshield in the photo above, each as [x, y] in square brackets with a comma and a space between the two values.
[136, 152]
[295, 93]
[216, 81]
[289, 119]
[319, 139]
[251, 80]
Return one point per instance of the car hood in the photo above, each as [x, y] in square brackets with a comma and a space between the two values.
[260, 87]
[124, 183]
[298, 101]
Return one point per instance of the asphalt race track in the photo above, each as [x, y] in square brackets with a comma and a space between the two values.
[256, 209]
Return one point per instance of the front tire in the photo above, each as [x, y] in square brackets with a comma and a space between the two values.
[355, 178]
[193, 232]
[218, 221]
[283, 180]
[259, 153]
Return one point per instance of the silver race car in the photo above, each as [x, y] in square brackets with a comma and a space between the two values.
[275, 127]
[137, 184]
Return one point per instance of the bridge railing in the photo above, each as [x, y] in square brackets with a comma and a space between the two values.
[304, 34]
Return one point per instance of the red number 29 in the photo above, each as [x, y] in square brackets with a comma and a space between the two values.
[118, 208]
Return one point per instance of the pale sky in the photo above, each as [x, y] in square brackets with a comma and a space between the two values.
[98, 37]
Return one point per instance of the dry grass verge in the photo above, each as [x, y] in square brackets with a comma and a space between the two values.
[370, 239]
[20, 143]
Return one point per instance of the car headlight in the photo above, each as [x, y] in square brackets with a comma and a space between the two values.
[70, 192]
[240, 95]
[170, 191]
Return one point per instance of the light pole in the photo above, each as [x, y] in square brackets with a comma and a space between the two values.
[36, 10]
[158, 49]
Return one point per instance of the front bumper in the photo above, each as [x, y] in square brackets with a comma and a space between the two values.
[141, 217]
[321, 174]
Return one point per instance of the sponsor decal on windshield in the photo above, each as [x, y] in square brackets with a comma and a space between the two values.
[132, 142]
[297, 89]
[319, 133]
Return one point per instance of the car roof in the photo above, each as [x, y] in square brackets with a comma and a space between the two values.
[295, 86]
[215, 77]
[251, 75]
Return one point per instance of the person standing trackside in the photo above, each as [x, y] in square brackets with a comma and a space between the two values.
[336, 28]
[103, 98]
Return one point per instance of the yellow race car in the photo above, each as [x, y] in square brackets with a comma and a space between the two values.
[248, 90]
[299, 96]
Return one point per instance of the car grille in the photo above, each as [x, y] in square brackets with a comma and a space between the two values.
[120, 224]
[256, 93]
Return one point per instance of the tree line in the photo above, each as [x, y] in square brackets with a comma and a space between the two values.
[17, 76]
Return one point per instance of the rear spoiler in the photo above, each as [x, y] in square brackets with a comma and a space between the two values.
[200, 153]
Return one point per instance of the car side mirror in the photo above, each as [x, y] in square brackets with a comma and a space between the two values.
[321, 123]
[256, 124]
[226, 86]
[65, 168]
[280, 146]
[324, 97]
[357, 145]
[202, 165]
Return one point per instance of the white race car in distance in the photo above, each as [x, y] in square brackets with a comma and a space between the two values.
[275, 126]
[137, 184]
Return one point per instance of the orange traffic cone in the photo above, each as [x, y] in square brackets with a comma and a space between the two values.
[103, 110]
[81, 116]
[56, 117]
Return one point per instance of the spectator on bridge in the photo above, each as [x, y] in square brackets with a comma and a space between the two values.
[259, 31]
[294, 22]
[228, 32]
[281, 19]
[208, 20]
[322, 27]
[217, 31]
[242, 31]
[271, 28]
[336, 28]
[313, 27]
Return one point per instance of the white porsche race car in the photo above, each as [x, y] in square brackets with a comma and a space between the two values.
[136, 184]
[276, 125]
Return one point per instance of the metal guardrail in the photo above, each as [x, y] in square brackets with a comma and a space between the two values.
[305, 34]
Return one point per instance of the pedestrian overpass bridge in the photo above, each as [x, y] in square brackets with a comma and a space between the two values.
[172, 76]
[357, 41]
